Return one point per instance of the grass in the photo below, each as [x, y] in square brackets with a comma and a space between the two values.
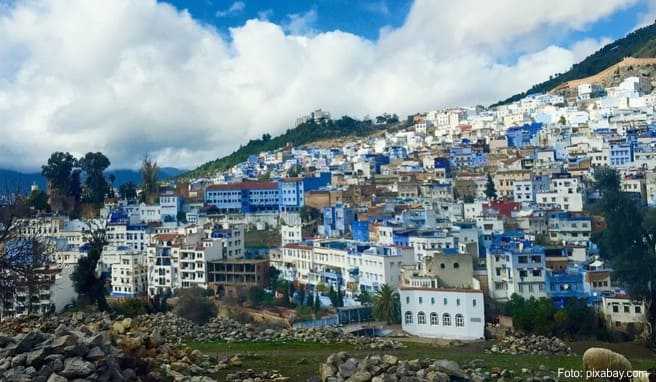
[301, 360]
[262, 239]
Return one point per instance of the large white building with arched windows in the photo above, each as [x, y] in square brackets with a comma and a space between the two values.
[441, 299]
[443, 313]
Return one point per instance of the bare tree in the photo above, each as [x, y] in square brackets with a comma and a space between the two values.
[25, 256]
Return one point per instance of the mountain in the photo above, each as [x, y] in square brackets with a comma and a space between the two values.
[12, 181]
[640, 43]
[304, 133]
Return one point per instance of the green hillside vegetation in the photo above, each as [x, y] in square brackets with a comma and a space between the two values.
[638, 44]
[304, 133]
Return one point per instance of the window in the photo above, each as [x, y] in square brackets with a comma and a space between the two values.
[446, 319]
[445, 301]
[457, 302]
[456, 265]
[434, 320]
[407, 300]
[474, 302]
[421, 300]
[460, 321]
[626, 309]
[408, 317]
[421, 318]
[638, 310]
[433, 300]
[616, 309]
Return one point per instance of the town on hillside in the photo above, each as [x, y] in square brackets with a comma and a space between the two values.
[522, 222]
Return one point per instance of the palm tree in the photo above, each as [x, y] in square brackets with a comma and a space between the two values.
[149, 174]
[387, 305]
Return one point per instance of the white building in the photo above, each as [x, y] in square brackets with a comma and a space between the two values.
[566, 192]
[129, 275]
[515, 266]
[432, 306]
[621, 312]
[443, 313]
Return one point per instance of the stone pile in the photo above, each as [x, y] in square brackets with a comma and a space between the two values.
[531, 344]
[341, 367]
[82, 354]
[250, 375]
[176, 329]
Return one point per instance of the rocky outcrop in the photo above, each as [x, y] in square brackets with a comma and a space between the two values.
[83, 353]
[530, 344]
[340, 367]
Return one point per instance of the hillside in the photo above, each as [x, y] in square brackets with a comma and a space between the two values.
[638, 44]
[302, 134]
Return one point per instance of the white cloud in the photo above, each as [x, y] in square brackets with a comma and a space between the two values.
[265, 14]
[235, 8]
[301, 23]
[127, 77]
[379, 7]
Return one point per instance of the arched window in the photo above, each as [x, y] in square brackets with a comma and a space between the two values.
[408, 317]
[446, 319]
[434, 319]
[442, 266]
[460, 321]
[456, 265]
[421, 318]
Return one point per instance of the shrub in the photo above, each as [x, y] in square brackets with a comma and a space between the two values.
[194, 305]
[131, 307]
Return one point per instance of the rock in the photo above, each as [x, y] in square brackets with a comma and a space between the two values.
[77, 367]
[95, 354]
[56, 378]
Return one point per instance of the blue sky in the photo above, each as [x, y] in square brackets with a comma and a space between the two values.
[364, 18]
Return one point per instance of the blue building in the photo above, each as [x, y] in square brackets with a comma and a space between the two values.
[620, 154]
[377, 160]
[466, 157]
[245, 197]
[337, 220]
[360, 230]
[520, 136]
[291, 194]
[570, 283]
[312, 183]
[397, 152]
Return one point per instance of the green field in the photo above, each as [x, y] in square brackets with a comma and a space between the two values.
[301, 360]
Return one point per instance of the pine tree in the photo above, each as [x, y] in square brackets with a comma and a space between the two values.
[490, 190]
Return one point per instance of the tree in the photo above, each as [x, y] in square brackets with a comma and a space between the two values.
[25, 256]
[387, 305]
[58, 171]
[63, 177]
[88, 282]
[128, 190]
[629, 243]
[194, 305]
[38, 200]
[317, 304]
[562, 120]
[490, 189]
[365, 297]
[96, 186]
[149, 177]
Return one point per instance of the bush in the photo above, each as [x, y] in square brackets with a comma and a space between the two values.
[131, 307]
[304, 313]
[194, 305]
[540, 316]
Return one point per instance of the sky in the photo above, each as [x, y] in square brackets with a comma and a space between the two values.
[189, 81]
